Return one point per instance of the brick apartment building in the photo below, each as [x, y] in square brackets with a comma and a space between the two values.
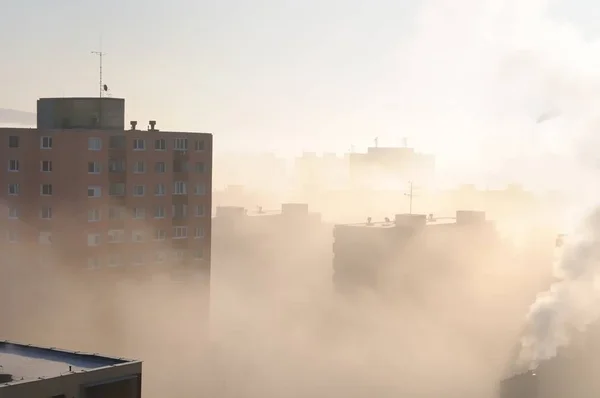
[83, 191]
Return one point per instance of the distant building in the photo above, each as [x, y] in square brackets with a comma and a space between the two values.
[268, 255]
[314, 172]
[390, 167]
[369, 255]
[37, 372]
[83, 191]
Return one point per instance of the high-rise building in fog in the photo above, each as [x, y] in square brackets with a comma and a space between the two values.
[81, 190]
[270, 255]
[384, 168]
[377, 254]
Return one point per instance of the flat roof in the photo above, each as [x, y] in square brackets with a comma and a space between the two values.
[392, 223]
[27, 362]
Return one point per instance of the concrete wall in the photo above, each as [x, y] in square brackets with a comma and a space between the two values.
[72, 385]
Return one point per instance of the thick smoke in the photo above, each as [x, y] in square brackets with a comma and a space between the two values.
[571, 304]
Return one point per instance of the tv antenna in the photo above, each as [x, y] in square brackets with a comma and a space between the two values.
[376, 142]
[103, 87]
[410, 195]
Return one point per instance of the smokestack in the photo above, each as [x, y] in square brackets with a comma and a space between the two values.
[152, 124]
[133, 124]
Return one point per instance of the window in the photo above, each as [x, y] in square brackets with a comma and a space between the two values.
[46, 142]
[200, 189]
[94, 167]
[199, 232]
[13, 141]
[159, 257]
[13, 165]
[116, 213]
[160, 234]
[94, 144]
[199, 167]
[13, 189]
[199, 145]
[46, 189]
[179, 211]
[117, 142]
[116, 165]
[12, 236]
[46, 213]
[139, 144]
[179, 188]
[180, 166]
[138, 259]
[45, 238]
[116, 189]
[139, 167]
[160, 167]
[46, 166]
[160, 144]
[159, 212]
[116, 236]
[179, 254]
[13, 213]
[199, 212]
[179, 232]
[93, 239]
[180, 144]
[114, 260]
[93, 262]
[94, 192]
[93, 215]
[138, 190]
[137, 236]
[139, 213]
[198, 254]
[160, 190]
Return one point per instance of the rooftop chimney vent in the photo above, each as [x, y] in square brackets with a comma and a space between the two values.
[133, 124]
[152, 124]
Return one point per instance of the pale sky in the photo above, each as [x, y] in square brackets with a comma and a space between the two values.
[288, 75]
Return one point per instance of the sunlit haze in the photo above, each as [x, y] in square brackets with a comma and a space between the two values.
[341, 199]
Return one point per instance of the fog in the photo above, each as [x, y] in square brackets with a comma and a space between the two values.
[445, 316]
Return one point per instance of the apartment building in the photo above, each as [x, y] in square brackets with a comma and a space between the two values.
[84, 192]
[39, 372]
[389, 254]
[268, 255]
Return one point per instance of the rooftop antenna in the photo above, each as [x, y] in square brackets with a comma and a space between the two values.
[103, 87]
[410, 195]
[376, 142]
[405, 142]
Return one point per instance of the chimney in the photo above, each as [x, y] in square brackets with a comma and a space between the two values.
[152, 125]
[133, 124]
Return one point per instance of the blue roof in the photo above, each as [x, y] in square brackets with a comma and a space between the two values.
[26, 362]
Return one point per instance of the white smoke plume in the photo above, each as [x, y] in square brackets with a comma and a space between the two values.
[492, 72]
[571, 304]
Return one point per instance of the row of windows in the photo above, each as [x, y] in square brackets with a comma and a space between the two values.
[115, 260]
[14, 165]
[118, 189]
[117, 236]
[137, 236]
[118, 142]
[117, 213]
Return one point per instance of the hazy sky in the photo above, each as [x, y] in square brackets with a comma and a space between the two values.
[283, 74]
